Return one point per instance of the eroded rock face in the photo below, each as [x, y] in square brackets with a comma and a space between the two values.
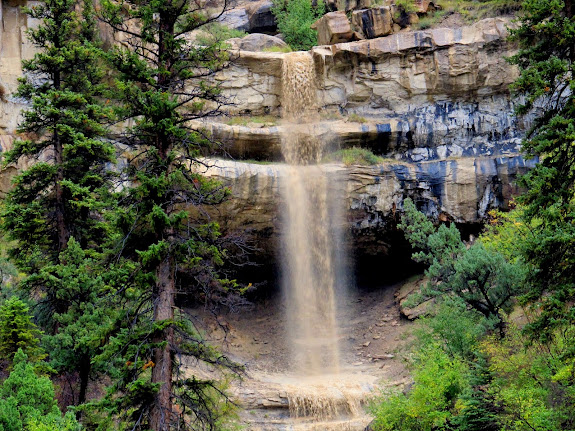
[260, 16]
[431, 94]
[461, 190]
[14, 47]
[347, 5]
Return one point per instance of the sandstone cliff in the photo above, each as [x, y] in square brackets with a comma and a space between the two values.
[425, 94]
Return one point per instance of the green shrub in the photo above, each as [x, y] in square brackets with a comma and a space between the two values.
[407, 6]
[438, 381]
[354, 156]
[17, 331]
[430, 20]
[294, 18]
[27, 401]
[216, 32]
[472, 10]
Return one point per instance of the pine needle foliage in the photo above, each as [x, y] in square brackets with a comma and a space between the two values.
[27, 401]
[17, 331]
[58, 201]
[163, 83]
[481, 278]
[54, 200]
[546, 38]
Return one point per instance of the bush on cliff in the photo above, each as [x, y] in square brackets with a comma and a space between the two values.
[295, 18]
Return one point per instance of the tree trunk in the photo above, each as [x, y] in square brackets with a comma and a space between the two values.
[85, 368]
[161, 413]
[61, 228]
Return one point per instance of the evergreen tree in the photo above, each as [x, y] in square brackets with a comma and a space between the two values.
[57, 202]
[27, 401]
[478, 408]
[17, 331]
[483, 279]
[54, 199]
[164, 83]
[80, 281]
[546, 61]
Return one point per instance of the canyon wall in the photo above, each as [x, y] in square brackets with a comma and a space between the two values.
[436, 102]
[427, 94]
[462, 190]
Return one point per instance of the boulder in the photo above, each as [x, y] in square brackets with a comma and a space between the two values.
[236, 19]
[260, 17]
[413, 311]
[372, 23]
[257, 42]
[424, 6]
[333, 27]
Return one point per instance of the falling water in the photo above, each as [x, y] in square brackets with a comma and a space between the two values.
[310, 227]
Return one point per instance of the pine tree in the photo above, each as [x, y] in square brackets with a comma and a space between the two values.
[478, 407]
[54, 199]
[57, 202]
[84, 285]
[165, 83]
[546, 61]
[17, 331]
[481, 278]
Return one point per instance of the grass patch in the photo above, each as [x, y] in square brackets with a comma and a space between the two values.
[246, 121]
[430, 20]
[470, 10]
[330, 115]
[278, 49]
[354, 156]
[354, 118]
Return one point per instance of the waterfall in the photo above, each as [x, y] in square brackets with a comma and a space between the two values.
[311, 227]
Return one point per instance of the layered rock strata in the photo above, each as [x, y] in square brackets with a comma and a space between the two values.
[431, 94]
[462, 190]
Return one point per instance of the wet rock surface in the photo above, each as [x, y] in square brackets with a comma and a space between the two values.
[424, 95]
[459, 189]
[271, 398]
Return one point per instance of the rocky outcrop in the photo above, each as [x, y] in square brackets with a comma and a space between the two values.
[260, 17]
[413, 310]
[14, 47]
[257, 42]
[253, 17]
[347, 5]
[431, 94]
[262, 142]
[333, 27]
[462, 190]
[372, 23]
